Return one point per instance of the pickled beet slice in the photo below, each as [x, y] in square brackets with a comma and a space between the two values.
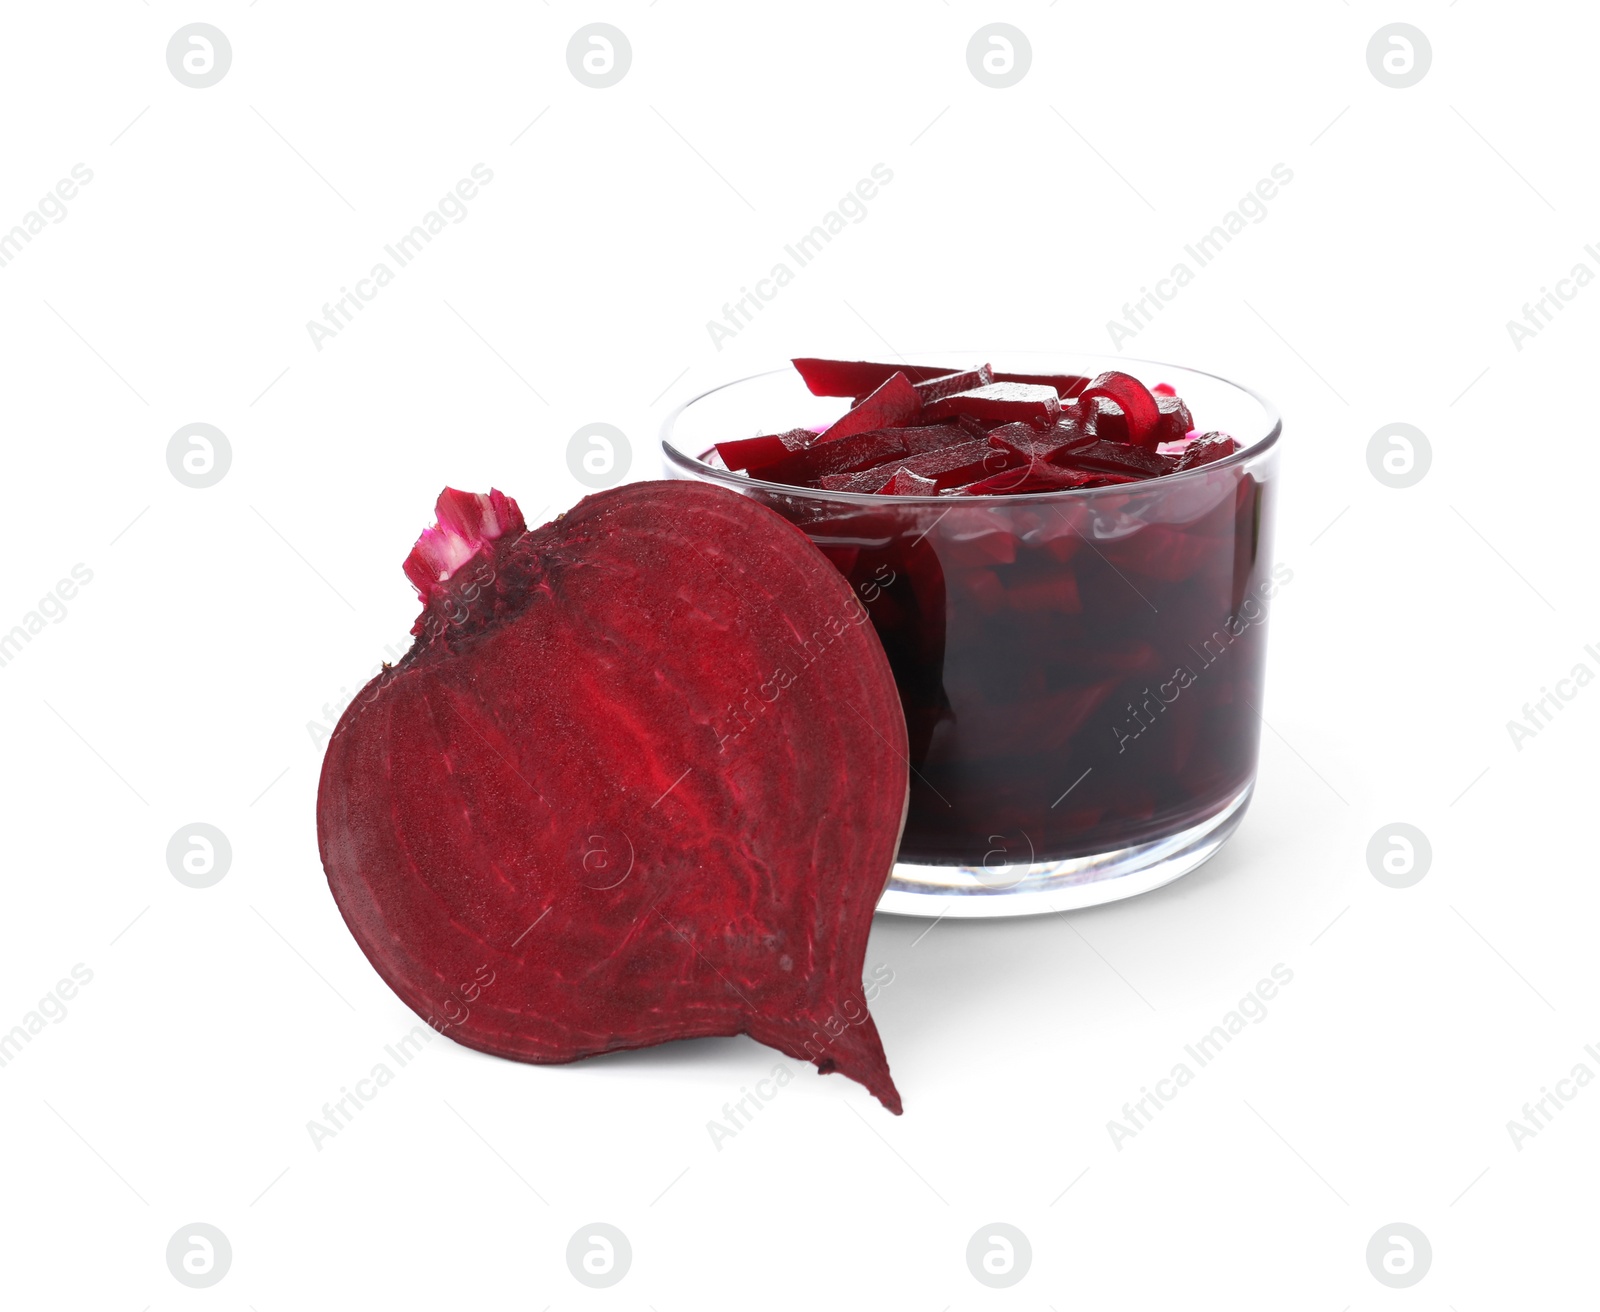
[868, 480]
[831, 464]
[858, 377]
[1117, 458]
[952, 466]
[1065, 385]
[753, 452]
[1204, 450]
[892, 405]
[847, 455]
[936, 389]
[1029, 442]
[907, 484]
[1133, 398]
[1176, 422]
[1002, 403]
[1037, 476]
[641, 777]
[1105, 421]
[933, 437]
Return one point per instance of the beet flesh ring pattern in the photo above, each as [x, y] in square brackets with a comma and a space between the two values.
[641, 777]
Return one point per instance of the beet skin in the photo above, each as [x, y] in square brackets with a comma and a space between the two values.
[641, 777]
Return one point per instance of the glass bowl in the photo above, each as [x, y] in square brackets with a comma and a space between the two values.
[1081, 671]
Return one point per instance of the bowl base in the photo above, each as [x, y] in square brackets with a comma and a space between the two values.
[971, 892]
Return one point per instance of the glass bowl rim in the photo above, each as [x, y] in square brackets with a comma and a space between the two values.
[696, 465]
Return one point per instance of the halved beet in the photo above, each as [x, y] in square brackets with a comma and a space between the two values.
[641, 777]
[893, 404]
[858, 377]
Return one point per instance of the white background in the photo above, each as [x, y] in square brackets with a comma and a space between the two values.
[221, 622]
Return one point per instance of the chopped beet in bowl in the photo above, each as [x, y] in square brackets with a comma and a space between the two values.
[1077, 629]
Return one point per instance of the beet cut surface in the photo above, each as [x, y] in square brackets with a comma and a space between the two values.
[891, 404]
[641, 777]
[756, 452]
[936, 389]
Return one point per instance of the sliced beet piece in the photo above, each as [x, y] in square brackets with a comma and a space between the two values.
[1002, 403]
[1036, 476]
[858, 377]
[868, 480]
[952, 466]
[933, 437]
[847, 455]
[936, 389]
[906, 484]
[753, 452]
[1046, 477]
[946, 466]
[1031, 443]
[1105, 420]
[1133, 398]
[1203, 450]
[1175, 422]
[1018, 438]
[1117, 458]
[641, 777]
[892, 405]
[1065, 384]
